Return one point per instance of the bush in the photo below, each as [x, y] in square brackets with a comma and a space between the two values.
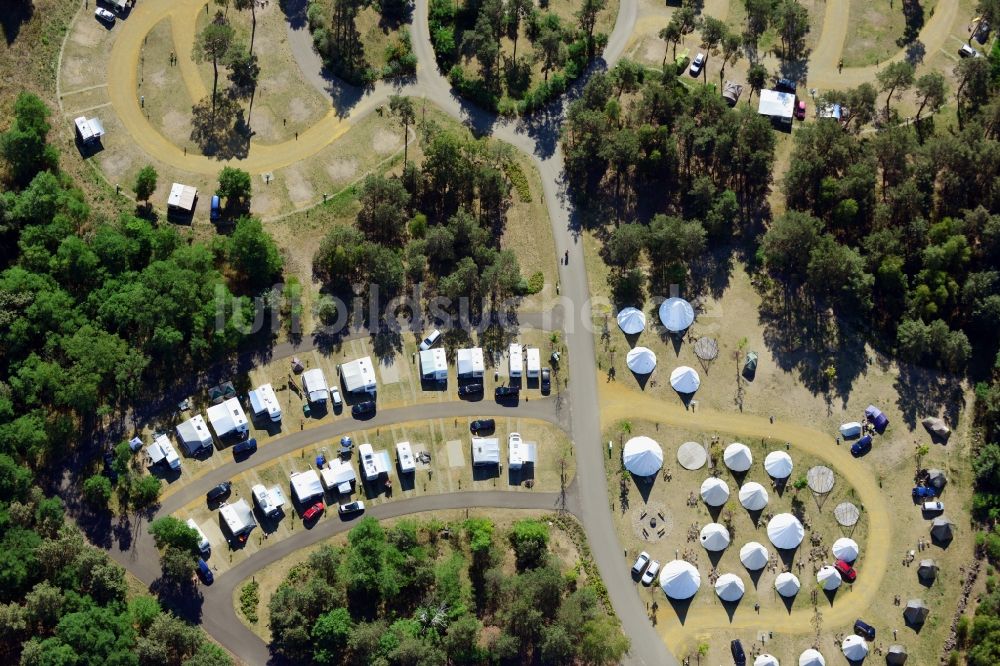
[518, 180]
[249, 599]
[535, 283]
[97, 490]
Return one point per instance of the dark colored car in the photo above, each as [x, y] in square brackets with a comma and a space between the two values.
[363, 408]
[482, 425]
[739, 656]
[924, 491]
[246, 447]
[546, 380]
[845, 570]
[313, 511]
[205, 573]
[865, 630]
[215, 211]
[862, 446]
[109, 466]
[220, 491]
[800, 110]
[503, 392]
[470, 389]
[785, 85]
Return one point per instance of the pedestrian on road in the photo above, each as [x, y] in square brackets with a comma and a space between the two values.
[567, 257]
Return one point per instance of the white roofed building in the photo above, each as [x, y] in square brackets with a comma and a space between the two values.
[776, 105]
[264, 401]
[227, 418]
[339, 475]
[516, 360]
[470, 362]
[238, 517]
[182, 198]
[89, 130]
[359, 375]
[534, 362]
[434, 364]
[306, 486]
[520, 452]
[161, 450]
[315, 386]
[369, 467]
[485, 451]
[193, 435]
[404, 454]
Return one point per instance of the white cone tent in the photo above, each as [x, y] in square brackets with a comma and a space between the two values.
[754, 556]
[676, 314]
[685, 379]
[855, 648]
[811, 658]
[714, 491]
[738, 457]
[641, 360]
[631, 321]
[766, 660]
[714, 536]
[753, 497]
[845, 549]
[787, 584]
[679, 579]
[729, 587]
[778, 464]
[642, 456]
[828, 578]
[785, 531]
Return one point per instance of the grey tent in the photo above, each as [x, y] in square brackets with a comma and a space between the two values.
[896, 655]
[927, 570]
[915, 612]
[937, 427]
[936, 478]
[942, 529]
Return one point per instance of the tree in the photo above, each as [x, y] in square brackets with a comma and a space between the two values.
[244, 71]
[97, 490]
[732, 51]
[243, 5]
[173, 532]
[516, 11]
[713, 31]
[896, 77]
[792, 20]
[549, 46]
[235, 186]
[145, 183]
[757, 78]
[932, 91]
[330, 634]
[384, 213]
[213, 45]
[252, 252]
[209, 654]
[143, 609]
[530, 540]
[168, 636]
[588, 20]
[178, 565]
[145, 491]
[973, 84]
[671, 34]
[790, 240]
[24, 146]
[402, 108]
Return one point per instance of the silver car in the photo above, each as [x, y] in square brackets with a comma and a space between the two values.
[697, 64]
[651, 571]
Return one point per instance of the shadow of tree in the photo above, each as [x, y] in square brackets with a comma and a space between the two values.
[221, 133]
[925, 392]
[15, 14]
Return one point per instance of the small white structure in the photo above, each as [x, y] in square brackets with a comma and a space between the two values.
[238, 517]
[203, 545]
[855, 648]
[227, 418]
[181, 199]
[470, 362]
[729, 587]
[642, 456]
[685, 379]
[753, 496]
[338, 476]
[850, 430]
[737, 457]
[631, 320]
[306, 486]
[811, 657]
[262, 498]
[534, 362]
[778, 465]
[193, 435]
[776, 105]
[676, 314]
[369, 468]
[845, 549]
[519, 452]
[90, 130]
[641, 360]
[359, 375]
[787, 584]
[714, 537]
[264, 401]
[679, 579]
[515, 361]
[785, 531]
[485, 451]
[714, 491]
[828, 578]
[754, 556]
[766, 660]
[161, 450]
[404, 454]
[315, 386]
[433, 365]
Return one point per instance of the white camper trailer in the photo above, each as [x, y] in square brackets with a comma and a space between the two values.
[534, 363]
[306, 486]
[264, 401]
[228, 418]
[359, 375]
[470, 363]
[161, 450]
[516, 362]
[434, 365]
[314, 384]
[193, 435]
[404, 453]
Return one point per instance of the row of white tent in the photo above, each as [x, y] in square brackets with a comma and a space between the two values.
[676, 315]
[642, 361]
[643, 456]
[854, 647]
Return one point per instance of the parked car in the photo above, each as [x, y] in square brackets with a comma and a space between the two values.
[983, 32]
[933, 507]
[739, 655]
[109, 466]
[862, 446]
[215, 210]
[967, 52]
[640, 563]
[546, 380]
[919, 492]
[430, 340]
[470, 389]
[246, 447]
[335, 397]
[205, 573]
[482, 425]
[313, 511]
[697, 64]
[503, 392]
[785, 85]
[220, 491]
[104, 15]
[351, 507]
[865, 630]
[800, 110]
[363, 409]
[651, 571]
[846, 571]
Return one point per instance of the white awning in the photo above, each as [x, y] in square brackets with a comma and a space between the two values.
[679, 579]
[828, 578]
[754, 556]
[785, 531]
[729, 587]
[778, 464]
[714, 536]
[714, 491]
[737, 457]
[753, 496]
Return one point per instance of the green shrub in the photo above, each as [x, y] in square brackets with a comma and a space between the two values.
[249, 599]
[536, 282]
[518, 180]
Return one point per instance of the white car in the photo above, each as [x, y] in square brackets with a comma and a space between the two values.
[335, 396]
[934, 506]
[430, 340]
[104, 15]
[697, 64]
[640, 563]
[968, 52]
[651, 571]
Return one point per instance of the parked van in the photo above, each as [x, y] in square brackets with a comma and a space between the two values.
[215, 212]
[203, 544]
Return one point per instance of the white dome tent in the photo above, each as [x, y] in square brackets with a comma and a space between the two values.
[641, 360]
[729, 587]
[778, 465]
[766, 660]
[787, 584]
[685, 379]
[811, 658]
[753, 497]
[642, 456]
[737, 457]
[785, 531]
[714, 491]
[714, 537]
[845, 549]
[631, 320]
[855, 648]
[676, 314]
[754, 556]
[679, 579]
[828, 578]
